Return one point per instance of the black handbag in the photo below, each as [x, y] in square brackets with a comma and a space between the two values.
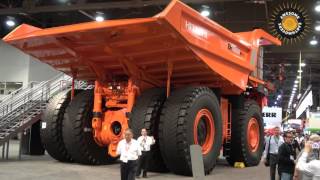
[267, 162]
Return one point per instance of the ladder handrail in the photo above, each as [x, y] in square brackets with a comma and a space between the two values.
[27, 87]
[47, 88]
[24, 106]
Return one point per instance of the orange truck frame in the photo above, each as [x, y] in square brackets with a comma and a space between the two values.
[185, 78]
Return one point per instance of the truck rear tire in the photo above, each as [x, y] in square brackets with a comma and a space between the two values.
[247, 135]
[146, 114]
[190, 116]
[77, 132]
[51, 127]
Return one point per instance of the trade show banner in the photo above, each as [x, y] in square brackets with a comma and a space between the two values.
[272, 117]
[314, 122]
[306, 102]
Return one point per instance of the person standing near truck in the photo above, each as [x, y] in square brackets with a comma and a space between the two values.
[286, 157]
[145, 142]
[274, 142]
[129, 151]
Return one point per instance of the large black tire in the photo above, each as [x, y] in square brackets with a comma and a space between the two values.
[240, 150]
[77, 132]
[176, 128]
[146, 114]
[51, 130]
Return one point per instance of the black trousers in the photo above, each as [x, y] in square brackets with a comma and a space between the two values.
[143, 163]
[128, 170]
[273, 166]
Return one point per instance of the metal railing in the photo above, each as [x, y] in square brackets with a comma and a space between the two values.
[39, 92]
[23, 107]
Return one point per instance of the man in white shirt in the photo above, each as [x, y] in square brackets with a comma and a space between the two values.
[274, 143]
[311, 168]
[145, 142]
[129, 151]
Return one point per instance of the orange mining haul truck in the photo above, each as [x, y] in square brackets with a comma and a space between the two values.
[185, 78]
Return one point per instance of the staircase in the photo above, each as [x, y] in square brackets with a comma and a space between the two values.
[23, 107]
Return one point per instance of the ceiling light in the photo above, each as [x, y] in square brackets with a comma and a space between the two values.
[298, 77]
[299, 96]
[296, 81]
[294, 105]
[317, 27]
[317, 8]
[313, 42]
[303, 64]
[10, 22]
[295, 86]
[99, 18]
[294, 89]
[205, 13]
[63, 1]
[300, 71]
[279, 96]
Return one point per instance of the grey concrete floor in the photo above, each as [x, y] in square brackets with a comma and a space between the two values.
[45, 168]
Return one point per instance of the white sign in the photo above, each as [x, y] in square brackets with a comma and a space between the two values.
[43, 125]
[308, 101]
[295, 121]
[314, 121]
[272, 117]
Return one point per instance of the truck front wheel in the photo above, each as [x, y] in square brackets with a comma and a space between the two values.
[190, 116]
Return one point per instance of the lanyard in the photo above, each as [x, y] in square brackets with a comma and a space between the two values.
[144, 141]
[127, 147]
[276, 140]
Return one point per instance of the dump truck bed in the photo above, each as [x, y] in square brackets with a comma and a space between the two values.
[200, 51]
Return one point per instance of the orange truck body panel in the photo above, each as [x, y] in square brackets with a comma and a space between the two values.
[201, 51]
[177, 47]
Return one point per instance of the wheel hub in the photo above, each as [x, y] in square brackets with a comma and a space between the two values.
[116, 127]
[253, 135]
[204, 130]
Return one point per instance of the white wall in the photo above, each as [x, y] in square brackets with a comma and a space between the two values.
[16, 66]
[39, 71]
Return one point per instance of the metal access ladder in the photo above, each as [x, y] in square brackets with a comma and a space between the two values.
[23, 107]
